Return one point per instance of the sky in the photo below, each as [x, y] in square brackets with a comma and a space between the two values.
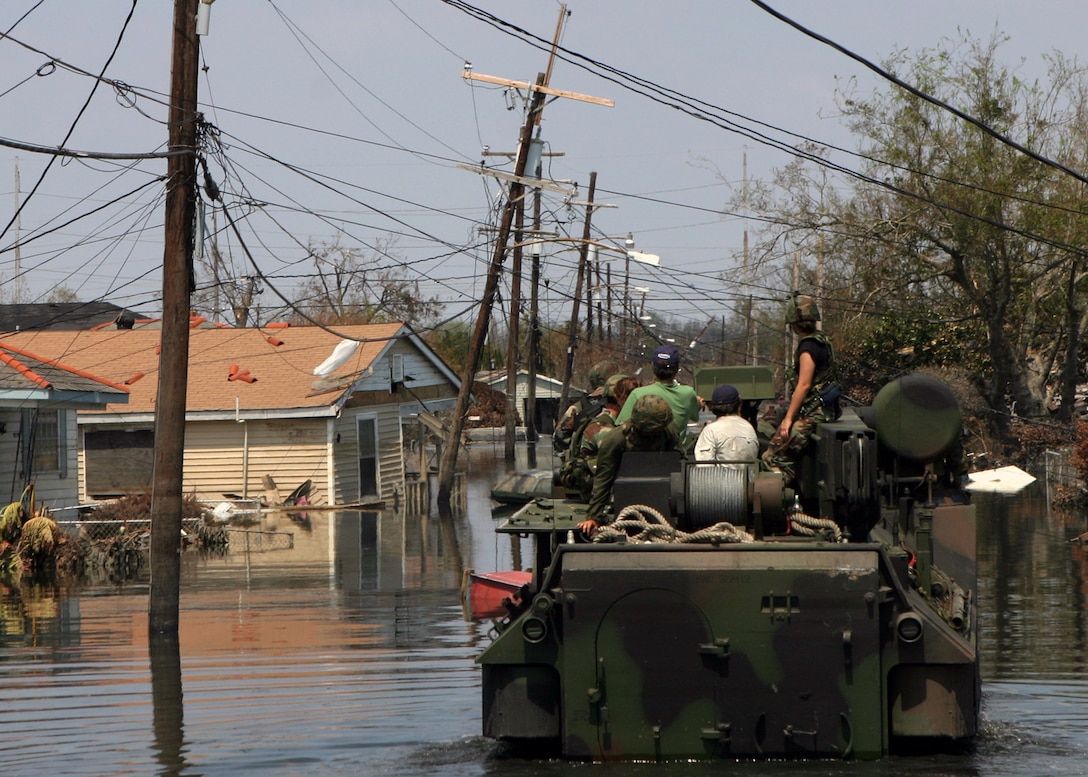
[346, 122]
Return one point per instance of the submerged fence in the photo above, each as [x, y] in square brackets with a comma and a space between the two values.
[194, 530]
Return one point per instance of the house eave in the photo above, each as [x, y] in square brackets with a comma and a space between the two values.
[71, 400]
[93, 418]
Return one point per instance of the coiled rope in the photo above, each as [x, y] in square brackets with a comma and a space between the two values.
[810, 525]
[640, 523]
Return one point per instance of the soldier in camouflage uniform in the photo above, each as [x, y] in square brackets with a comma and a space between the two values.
[815, 393]
[581, 410]
[581, 468]
[650, 428]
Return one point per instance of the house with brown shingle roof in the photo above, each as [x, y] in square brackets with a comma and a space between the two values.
[331, 406]
[39, 398]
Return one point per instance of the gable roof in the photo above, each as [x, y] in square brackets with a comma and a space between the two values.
[35, 316]
[26, 377]
[251, 369]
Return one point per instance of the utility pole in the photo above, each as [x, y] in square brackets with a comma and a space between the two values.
[534, 337]
[457, 425]
[572, 336]
[517, 188]
[512, 335]
[166, 496]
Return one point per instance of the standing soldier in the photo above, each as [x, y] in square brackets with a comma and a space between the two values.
[816, 391]
[577, 474]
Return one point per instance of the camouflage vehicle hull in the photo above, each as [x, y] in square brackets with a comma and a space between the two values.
[853, 641]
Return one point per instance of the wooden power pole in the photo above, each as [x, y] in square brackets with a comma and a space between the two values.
[457, 426]
[166, 496]
[583, 270]
[518, 183]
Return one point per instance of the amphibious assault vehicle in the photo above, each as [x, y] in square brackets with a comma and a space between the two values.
[731, 616]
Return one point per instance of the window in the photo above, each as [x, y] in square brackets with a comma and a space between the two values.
[43, 443]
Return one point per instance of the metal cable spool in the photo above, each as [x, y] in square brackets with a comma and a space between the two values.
[716, 493]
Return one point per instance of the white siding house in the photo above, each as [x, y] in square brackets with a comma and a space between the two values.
[255, 408]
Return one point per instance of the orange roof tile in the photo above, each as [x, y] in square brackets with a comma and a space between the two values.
[283, 374]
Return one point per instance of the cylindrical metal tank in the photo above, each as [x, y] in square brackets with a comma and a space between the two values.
[917, 417]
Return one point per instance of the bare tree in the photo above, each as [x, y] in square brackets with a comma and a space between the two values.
[351, 286]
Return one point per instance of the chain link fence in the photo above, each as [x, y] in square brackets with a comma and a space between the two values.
[198, 532]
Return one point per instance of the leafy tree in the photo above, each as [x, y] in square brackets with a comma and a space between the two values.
[450, 341]
[968, 244]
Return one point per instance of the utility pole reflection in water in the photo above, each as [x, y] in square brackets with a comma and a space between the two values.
[166, 702]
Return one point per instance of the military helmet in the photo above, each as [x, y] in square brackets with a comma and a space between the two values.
[651, 413]
[599, 373]
[610, 384]
[802, 308]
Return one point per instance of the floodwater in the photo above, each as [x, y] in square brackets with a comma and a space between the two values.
[347, 653]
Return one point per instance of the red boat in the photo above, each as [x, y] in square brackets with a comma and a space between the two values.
[485, 593]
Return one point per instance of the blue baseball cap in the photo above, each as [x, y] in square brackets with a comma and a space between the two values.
[725, 395]
[667, 356]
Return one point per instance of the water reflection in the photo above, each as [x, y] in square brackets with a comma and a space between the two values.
[1032, 598]
[167, 710]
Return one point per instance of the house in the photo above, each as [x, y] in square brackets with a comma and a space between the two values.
[27, 316]
[39, 399]
[290, 403]
[548, 393]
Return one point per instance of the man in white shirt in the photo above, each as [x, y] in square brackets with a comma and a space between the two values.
[729, 437]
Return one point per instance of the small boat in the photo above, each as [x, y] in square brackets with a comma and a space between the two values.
[486, 594]
[523, 486]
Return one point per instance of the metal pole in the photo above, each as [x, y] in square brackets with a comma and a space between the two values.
[512, 336]
[531, 431]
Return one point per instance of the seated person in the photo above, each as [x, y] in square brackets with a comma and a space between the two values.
[729, 437]
[650, 428]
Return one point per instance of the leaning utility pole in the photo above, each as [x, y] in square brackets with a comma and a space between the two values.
[166, 497]
[517, 192]
[476, 345]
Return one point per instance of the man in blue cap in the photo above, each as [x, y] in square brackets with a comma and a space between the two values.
[682, 399]
[729, 437]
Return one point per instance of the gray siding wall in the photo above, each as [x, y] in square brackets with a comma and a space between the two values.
[423, 371]
[54, 489]
[390, 452]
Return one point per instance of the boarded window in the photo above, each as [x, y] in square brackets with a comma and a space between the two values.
[119, 461]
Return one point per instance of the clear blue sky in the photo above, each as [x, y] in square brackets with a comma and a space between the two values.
[368, 100]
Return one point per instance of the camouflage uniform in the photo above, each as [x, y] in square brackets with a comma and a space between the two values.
[585, 408]
[581, 464]
[650, 428]
[821, 403]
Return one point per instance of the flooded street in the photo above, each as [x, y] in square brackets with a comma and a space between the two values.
[348, 654]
